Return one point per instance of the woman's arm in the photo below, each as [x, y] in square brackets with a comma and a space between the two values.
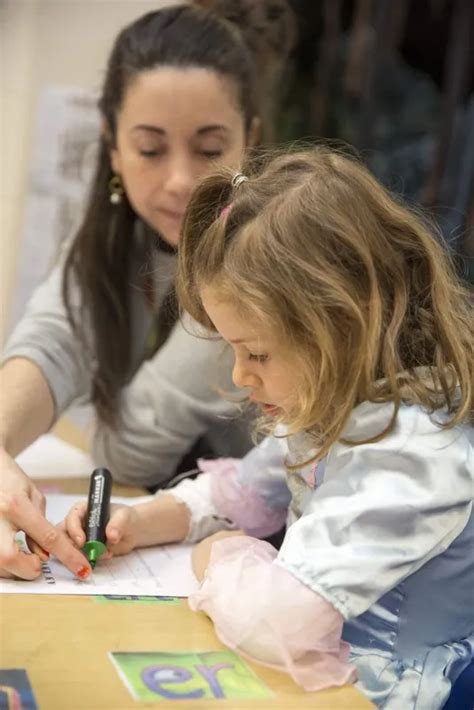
[26, 411]
[26, 405]
[45, 342]
[45, 368]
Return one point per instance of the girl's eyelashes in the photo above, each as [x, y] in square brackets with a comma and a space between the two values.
[258, 357]
[211, 154]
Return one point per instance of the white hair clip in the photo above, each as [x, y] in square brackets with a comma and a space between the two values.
[238, 179]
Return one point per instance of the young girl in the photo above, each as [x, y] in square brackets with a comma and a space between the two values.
[351, 332]
[179, 97]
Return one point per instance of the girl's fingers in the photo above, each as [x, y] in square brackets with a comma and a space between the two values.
[117, 525]
[113, 534]
[74, 523]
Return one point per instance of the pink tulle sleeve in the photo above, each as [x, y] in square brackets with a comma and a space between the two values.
[256, 503]
[265, 613]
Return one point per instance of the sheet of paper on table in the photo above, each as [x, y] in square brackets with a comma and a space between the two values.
[158, 571]
[49, 457]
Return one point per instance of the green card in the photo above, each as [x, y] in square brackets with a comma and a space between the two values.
[129, 598]
[153, 677]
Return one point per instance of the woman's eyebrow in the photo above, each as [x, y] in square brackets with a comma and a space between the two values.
[152, 129]
[200, 131]
[212, 127]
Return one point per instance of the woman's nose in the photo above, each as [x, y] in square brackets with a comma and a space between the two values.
[180, 179]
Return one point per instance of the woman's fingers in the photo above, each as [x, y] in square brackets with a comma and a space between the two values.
[37, 549]
[22, 514]
[13, 561]
[38, 499]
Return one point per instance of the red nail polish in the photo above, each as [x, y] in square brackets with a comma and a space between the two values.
[83, 572]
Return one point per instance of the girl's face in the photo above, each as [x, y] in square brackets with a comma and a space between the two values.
[261, 364]
[174, 127]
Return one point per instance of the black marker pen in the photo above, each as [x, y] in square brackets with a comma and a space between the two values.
[98, 513]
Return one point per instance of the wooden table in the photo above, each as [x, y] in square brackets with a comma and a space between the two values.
[63, 643]
[69, 432]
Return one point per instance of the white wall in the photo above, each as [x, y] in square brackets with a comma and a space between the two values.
[43, 42]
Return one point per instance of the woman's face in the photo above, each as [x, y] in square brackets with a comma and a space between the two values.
[175, 126]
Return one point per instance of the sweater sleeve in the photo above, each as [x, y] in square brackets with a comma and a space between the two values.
[45, 337]
[174, 399]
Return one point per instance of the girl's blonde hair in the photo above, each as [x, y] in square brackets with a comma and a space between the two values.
[351, 280]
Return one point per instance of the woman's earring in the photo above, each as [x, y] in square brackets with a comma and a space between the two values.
[116, 190]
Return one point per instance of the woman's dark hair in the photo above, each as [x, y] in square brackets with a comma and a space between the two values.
[99, 260]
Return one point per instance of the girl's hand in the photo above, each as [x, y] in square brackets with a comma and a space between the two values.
[202, 551]
[121, 531]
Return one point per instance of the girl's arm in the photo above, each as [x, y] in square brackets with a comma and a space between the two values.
[265, 613]
[249, 493]
[382, 512]
[162, 521]
[385, 509]
[157, 522]
[229, 494]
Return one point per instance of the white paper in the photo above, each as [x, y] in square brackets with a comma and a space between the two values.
[50, 457]
[156, 571]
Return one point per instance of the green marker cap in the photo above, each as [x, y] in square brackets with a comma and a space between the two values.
[94, 549]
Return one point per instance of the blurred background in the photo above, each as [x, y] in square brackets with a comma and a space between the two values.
[395, 78]
[44, 45]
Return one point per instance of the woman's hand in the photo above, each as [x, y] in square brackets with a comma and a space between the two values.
[22, 507]
[202, 551]
[121, 531]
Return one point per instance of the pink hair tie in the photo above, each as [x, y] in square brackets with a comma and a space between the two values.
[226, 210]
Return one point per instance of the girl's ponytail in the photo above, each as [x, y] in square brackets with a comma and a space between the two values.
[206, 208]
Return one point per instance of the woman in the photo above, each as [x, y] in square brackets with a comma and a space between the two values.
[178, 98]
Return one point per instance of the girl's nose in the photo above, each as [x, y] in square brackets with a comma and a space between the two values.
[243, 377]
